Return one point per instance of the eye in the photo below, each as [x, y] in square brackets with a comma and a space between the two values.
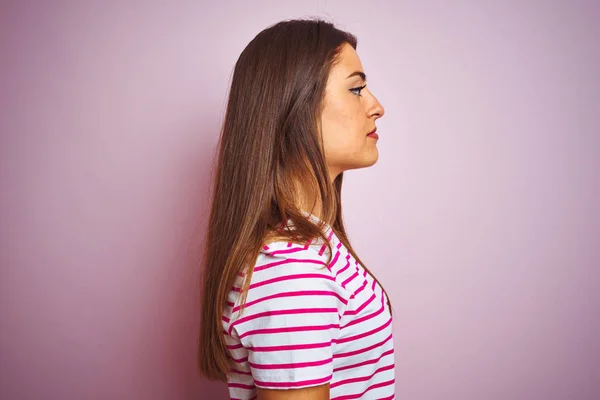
[358, 89]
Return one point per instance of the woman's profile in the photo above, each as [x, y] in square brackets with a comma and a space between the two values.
[289, 311]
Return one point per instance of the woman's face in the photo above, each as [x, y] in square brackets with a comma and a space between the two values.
[348, 116]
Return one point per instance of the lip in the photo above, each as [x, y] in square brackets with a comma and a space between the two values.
[373, 135]
[373, 131]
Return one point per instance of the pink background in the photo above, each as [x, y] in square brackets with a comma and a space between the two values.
[481, 216]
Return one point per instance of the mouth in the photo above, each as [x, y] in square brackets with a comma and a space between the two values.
[372, 134]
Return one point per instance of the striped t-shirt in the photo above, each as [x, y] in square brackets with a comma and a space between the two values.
[307, 323]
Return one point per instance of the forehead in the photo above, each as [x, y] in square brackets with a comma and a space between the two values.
[348, 63]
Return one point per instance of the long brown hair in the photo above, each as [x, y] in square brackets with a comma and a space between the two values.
[268, 152]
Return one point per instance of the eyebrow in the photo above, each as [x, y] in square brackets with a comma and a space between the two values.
[359, 73]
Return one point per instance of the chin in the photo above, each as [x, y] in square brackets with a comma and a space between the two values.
[372, 159]
[364, 163]
[368, 160]
[373, 162]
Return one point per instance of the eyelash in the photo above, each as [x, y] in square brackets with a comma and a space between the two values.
[359, 89]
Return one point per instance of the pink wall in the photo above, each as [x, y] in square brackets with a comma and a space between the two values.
[487, 187]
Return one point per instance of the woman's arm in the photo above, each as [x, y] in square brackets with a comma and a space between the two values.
[320, 392]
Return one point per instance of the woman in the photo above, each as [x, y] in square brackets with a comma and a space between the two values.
[288, 309]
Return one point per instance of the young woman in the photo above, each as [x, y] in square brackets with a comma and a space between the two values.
[289, 311]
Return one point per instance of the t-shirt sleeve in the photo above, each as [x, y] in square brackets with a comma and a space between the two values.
[291, 322]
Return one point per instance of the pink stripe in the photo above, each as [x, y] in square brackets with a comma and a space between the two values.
[360, 364]
[362, 306]
[237, 371]
[239, 360]
[234, 346]
[354, 275]
[294, 384]
[341, 271]
[362, 378]
[364, 334]
[322, 250]
[290, 329]
[293, 294]
[287, 261]
[282, 312]
[334, 260]
[366, 317]
[360, 289]
[292, 365]
[359, 395]
[240, 385]
[285, 278]
[290, 347]
[355, 352]
[288, 250]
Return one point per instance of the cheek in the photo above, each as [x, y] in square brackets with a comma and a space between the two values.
[336, 134]
[342, 145]
[340, 122]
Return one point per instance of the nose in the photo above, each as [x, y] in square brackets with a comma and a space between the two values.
[376, 109]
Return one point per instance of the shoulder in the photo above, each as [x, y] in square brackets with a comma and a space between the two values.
[291, 277]
[295, 263]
